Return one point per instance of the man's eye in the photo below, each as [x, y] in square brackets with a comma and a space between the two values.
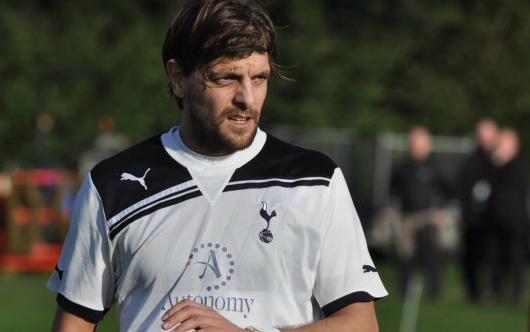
[260, 79]
[222, 80]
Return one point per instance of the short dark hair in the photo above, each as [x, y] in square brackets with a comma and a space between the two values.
[207, 30]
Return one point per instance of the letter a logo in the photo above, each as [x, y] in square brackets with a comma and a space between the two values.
[214, 266]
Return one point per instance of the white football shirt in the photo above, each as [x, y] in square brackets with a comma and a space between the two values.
[253, 235]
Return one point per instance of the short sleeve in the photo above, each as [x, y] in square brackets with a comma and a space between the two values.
[346, 273]
[83, 278]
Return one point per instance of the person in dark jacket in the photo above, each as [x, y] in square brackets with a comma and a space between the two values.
[508, 218]
[421, 190]
[474, 193]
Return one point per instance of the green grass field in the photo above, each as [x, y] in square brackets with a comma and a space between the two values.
[452, 313]
[27, 305]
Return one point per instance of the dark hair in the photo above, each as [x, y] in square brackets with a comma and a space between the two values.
[207, 30]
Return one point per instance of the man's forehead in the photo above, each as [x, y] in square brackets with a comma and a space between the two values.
[254, 62]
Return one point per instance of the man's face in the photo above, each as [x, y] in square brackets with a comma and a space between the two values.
[486, 133]
[221, 113]
[420, 144]
[507, 147]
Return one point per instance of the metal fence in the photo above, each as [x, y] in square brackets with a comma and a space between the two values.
[367, 161]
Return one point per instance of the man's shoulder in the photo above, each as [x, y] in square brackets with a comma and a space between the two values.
[279, 159]
[148, 149]
[282, 149]
[148, 158]
[405, 166]
[136, 174]
[478, 164]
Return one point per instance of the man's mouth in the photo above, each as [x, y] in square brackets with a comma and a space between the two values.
[239, 119]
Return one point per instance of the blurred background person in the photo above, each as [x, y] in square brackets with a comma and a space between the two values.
[508, 218]
[421, 191]
[474, 192]
[107, 143]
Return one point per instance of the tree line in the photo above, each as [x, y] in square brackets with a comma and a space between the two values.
[374, 66]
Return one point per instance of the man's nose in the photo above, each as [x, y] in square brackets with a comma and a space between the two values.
[245, 95]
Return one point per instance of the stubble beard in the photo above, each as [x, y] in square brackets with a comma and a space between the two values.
[208, 134]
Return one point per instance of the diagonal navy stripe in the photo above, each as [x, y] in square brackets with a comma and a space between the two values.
[164, 198]
[276, 183]
[152, 209]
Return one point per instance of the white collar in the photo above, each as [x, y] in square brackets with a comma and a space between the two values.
[176, 148]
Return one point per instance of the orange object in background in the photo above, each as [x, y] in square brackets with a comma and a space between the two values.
[21, 215]
[5, 188]
[38, 206]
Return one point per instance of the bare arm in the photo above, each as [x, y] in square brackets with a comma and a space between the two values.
[66, 322]
[355, 317]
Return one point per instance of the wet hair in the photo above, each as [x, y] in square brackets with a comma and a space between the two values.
[207, 30]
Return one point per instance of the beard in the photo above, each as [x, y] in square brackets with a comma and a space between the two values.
[208, 134]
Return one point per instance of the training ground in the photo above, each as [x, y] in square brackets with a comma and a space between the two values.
[27, 306]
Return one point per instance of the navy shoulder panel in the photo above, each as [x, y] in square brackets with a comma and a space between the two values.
[280, 160]
[135, 174]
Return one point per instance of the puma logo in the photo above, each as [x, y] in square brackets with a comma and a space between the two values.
[130, 177]
[59, 272]
[369, 268]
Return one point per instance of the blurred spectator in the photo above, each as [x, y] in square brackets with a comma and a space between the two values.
[107, 143]
[507, 227]
[421, 191]
[474, 192]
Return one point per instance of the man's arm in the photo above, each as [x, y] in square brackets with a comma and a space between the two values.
[66, 322]
[355, 317]
[84, 270]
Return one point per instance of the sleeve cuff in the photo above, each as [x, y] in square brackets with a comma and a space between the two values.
[346, 300]
[90, 315]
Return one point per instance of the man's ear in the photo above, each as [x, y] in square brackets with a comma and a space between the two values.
[176, 78]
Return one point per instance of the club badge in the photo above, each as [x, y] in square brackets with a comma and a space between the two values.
[266, 235]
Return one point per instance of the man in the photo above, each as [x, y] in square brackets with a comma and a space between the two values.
[507, 218]
[216, 225]
[474, 192]
[421, 190]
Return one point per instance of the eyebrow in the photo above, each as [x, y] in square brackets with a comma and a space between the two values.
[264, 73]
[233, 72]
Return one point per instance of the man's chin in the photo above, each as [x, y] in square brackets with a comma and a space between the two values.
[240, 140]
[225, 141]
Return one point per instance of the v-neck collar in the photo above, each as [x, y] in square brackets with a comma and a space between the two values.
[211, 174]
